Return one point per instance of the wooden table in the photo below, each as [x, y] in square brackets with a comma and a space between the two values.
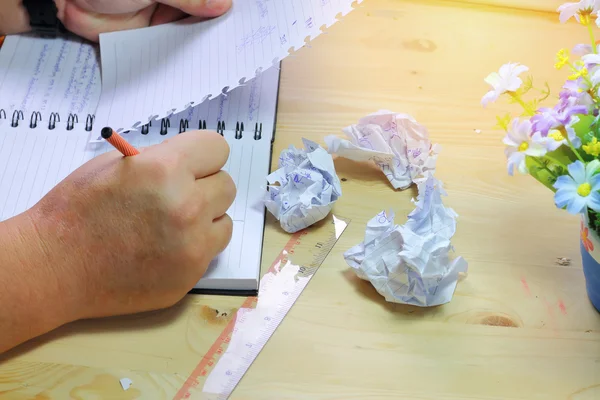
[519, 327]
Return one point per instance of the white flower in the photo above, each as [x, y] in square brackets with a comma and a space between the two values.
[553, 141]
[505, 80]
[581, 8]
[579, 189]
[520, 144]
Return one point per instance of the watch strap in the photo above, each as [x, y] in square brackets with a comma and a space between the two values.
[43, 17]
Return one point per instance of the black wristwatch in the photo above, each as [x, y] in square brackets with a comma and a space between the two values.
[43, 17]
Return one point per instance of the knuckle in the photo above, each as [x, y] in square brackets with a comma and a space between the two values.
[162, 169]
[229, 187]
[183, 215]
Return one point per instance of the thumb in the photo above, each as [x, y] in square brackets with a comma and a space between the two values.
[200, 8]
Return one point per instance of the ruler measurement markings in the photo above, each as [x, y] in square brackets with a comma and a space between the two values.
[302, 246]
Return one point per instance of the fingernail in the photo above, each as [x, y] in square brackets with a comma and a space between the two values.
[218, 5]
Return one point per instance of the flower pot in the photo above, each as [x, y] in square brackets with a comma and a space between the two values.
[590, 257]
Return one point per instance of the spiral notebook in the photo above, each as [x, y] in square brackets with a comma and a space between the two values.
[49, 93]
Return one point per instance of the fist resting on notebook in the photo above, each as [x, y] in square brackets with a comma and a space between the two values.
[89, 18]
[117, 236]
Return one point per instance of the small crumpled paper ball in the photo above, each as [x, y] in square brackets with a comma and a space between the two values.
[308, 186]
[395, 142]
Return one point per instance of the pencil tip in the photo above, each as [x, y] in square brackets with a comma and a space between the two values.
[106, 132]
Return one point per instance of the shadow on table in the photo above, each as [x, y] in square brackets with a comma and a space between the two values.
[126, 323]
[367, 291]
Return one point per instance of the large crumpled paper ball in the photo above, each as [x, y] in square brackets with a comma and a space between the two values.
[411, 263]
[307, 189]
[396, 142]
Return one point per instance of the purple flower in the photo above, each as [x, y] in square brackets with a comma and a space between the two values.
[563, 113]
[544, 121]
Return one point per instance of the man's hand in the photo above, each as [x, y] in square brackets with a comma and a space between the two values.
[117, 236]
[88, 18]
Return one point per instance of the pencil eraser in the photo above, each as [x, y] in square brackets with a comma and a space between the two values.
[106, 132]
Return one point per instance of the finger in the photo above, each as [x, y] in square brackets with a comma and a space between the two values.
[219, 234]
[90, 24]
[200, 8]
[219, 192]
[203, 152]
[165, 14]
[112, 6]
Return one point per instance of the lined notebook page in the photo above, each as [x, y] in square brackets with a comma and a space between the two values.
[38, 77]
[165, 69]
[45, 76]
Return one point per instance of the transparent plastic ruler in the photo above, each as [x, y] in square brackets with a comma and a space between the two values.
[236, 348]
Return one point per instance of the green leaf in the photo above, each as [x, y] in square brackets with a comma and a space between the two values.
[538, 170]
[594, 220]
[584, 127]
[526, 87]
[545, 93]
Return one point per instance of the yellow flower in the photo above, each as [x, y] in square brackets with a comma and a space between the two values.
[578, 74]
[592, 148]
[556, 135]
[562, 58]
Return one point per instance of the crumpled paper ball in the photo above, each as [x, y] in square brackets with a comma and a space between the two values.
[411, 263]
[395, 142]
[307, 189]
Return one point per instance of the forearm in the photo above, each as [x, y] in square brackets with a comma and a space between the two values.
[31, 302]
[13, 17]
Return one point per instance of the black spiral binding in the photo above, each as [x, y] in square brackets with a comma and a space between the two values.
[17, 115]
[36, 117]
[165, 123]
[184, 124]
[239, 130]
[54, 118]
[146, 128]
[221, 127]
[258, 131]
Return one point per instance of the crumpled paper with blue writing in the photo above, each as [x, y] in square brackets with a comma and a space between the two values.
[395, 142]
[410, 263]
[308, 187]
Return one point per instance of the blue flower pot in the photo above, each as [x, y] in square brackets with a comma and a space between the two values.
[590, 256]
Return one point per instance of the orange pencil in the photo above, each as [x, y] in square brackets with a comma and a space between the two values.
[118, 142]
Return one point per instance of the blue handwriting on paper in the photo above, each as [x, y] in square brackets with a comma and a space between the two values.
[84, 74]
[382, 218]
[55, 70]
[254, 99]
[262, 8]
[258, 36]
[35, 77]
[365, 142]
[72, 78]
[221, 107]
[94, 74]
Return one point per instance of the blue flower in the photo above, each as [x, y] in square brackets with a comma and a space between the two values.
[579, 189]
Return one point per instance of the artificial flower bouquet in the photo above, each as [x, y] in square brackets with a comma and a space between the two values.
[558, 146]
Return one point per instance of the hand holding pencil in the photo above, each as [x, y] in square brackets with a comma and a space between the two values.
[138, 235]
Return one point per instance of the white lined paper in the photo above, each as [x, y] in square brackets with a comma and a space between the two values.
[190, 62]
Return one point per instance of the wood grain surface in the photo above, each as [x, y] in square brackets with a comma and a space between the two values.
[519, 327]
